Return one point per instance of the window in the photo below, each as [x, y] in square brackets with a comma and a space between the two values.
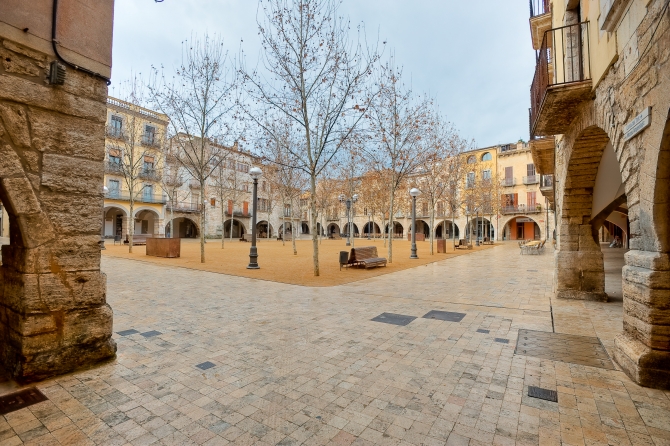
[470, 180]
[530, 169]
[531, 200]
[116, 126]
[149, 134]
[487, 156]
[263, 186]
[195, 200]
[440, 208]
[241, 167]
[472, 159]
[148, 192]
[115, 157]
[424, 208]
[114, 188]
[486, 175]
[148, 164]
[287, 210]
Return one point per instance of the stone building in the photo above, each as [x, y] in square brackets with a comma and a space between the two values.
[599, 124]
[134, 156]
[55, 64]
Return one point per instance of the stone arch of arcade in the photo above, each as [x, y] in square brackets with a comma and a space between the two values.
[398, 229]
[148, 222]
[333, 229]
[264, 229]
[238, 228]
[439, 229]
[531, 227]
[115, 221]
[184, 227]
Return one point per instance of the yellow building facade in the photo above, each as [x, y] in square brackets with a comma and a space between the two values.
[134, 162]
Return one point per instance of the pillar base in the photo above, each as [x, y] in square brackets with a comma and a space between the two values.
[582, 295]
[646, 366]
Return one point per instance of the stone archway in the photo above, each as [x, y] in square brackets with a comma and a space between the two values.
[115, 222]
[184, 227]
[264, 229]
[580, 269]
[444, 230]
[333, 229]
[398, 229]
[55, 318]
[238, 229]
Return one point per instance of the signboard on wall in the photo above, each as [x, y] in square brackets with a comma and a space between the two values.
[639, 123]
[524, 220]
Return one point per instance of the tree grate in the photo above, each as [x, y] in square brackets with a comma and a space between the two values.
[543, 394]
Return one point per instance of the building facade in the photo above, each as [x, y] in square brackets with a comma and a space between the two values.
[599, 124]
[134, 159]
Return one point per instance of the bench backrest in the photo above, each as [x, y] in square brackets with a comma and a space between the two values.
[363, 253]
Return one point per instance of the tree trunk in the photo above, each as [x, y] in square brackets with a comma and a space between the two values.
[202, 224]
[453, 228]
[432, 229]
[131, 222]
[315, 232]
[172, 220]
[223, 222]
[390, 247]
[294, 233]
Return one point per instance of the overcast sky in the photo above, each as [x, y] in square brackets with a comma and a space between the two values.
[474, 57]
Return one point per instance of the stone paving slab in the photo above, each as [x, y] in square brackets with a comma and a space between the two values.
[290, 365]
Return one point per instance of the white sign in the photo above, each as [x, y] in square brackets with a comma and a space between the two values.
[523, 220]
[639, 123]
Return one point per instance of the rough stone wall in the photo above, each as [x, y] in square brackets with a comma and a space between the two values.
[53, 312]
[643, 349]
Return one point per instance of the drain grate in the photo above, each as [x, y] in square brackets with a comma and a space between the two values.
[394, 319]
[502, 340]
[206, 365]
[583, 350]
[19, 400]
[543, 394]
[481, 330]
[127, 332]
[448, 316]
[152, 333]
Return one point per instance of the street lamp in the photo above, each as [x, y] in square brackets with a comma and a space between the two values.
[105, 191]
[349, 202]
[414, 192]
[255, 173]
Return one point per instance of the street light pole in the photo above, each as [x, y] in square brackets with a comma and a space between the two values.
[255, 173]
[414, 193]
[349, 202]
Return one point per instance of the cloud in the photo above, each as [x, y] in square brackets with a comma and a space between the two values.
[474, 58]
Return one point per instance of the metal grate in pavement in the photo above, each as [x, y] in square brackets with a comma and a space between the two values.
[543, 394]
[19, 400]
[448, 316]
[395, 319]
[583, 350]
[127, 332]
[206, 365]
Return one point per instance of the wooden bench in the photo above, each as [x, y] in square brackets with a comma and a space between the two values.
[245, 238]
[286, 237]
[463, 244]
[137, 240]
[335, 237]
[366, 256]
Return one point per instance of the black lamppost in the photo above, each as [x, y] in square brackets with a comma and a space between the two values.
[349, 202]
[369, 225]
[414, 192]
[255, 173]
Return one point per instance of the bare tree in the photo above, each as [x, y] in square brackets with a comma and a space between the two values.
[315, 78]
[453, 169]
[135, 150]
[398, 122]
[199, 100]
[172, 180]
[230, 187]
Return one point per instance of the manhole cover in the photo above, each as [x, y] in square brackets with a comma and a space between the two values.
[583, 350]
[395, 319]
[206, 365]
[444, 316]
[19, 400]
[543, 394]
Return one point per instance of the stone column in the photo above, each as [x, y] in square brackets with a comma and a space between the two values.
[53, 312]
[643, 349]
[579, 264]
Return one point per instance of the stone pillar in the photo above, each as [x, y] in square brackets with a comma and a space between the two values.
[53, 312]
[643, 349]
[579, 264]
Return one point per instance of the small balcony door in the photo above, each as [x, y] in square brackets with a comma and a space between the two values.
[114, 188]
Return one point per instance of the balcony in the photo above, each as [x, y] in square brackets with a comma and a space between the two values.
[508, 182]
[149, 140]
[113, 168]
[184, 207]
[547, 187]
[540, 21]
[115, 133]
[562, 79]
[143, 198]
[542, 150]
[521, 209]
[193, 183]
[149, 175]
[531, 179]
[242, 214]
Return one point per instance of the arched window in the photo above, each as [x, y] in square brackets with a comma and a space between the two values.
[487, 156]
[472, 159]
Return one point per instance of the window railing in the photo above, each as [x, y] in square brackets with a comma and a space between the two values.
[113, 167]
[522, 209]
[115, 133]
[531, 179]
[563, 58]
[547, 181]
[150, 174]
[150, 140]
[141, 197]
[184, 207]
[539, 7]
[193, 183]
[508, 182]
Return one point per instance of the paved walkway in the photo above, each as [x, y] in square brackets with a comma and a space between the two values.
[211, 359]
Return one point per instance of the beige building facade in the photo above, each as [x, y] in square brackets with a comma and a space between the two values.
[599, 124]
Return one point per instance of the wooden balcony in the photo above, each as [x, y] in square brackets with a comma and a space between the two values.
[542, 150]
[562, 80]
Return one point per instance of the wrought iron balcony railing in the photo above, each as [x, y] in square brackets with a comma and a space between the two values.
[113, 168]
[183, 207]
[562, 60]
[539, 7]
[531, 179]
[115, 133]
[547, 181]
[521, 209]
[508, 182]
[150, 174]
[141, 197]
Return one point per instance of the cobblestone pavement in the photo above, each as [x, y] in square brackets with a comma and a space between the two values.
[211, 359]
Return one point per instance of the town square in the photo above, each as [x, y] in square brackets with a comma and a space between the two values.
[325, 222]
